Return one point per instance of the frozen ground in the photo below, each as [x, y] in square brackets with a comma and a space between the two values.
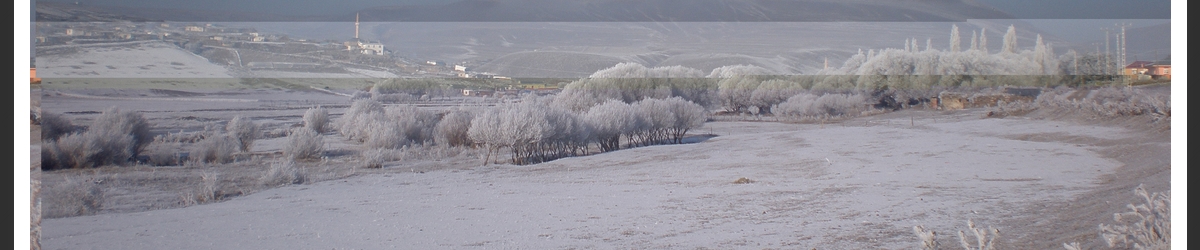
[147, 59]
[858, 184]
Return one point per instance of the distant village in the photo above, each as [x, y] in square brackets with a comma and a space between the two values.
[245, 49]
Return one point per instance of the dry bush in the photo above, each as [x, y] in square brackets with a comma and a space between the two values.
[282, 173]
[303, 144]
[394, 128]
[55, 126]
[452, 129]
[827, 105]
[113, 139]
[180, 137]
[360, 95]
[394, 98]
[317, 119]
[75, 196]
[374, 158]
[985, 239]
[928, 238]
[244, 130]
[71, 151]
[1148, 226]
[207, 191]
[165, 155]
[114, 122]
[111, 148]
[1109, 102]
[354, 121]
[218, 148]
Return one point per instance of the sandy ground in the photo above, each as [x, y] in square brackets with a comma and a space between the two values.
[859, 184]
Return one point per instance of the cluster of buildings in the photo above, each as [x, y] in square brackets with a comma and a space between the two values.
[1145, 70]
[50, 33]
[363, 47]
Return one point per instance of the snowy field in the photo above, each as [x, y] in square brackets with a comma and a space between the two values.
[148, 59]
[858, 184]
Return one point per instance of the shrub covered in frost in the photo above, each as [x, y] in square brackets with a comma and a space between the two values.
[215, 148]
[244, 130]
[303, 144]
[317, 119]
[114, 122]
[452, 129]
[809, 105]
[55, 126]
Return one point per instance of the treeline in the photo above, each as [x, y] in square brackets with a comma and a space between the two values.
[532, 128]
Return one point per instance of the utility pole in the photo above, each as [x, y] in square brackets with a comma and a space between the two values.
[1122, 42]
[1107, 64]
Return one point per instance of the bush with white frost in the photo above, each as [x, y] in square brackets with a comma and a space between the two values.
[631, 82]
[317, 119]
[114, 123]
[71, 151]
[452, 129]
[215, 148]
[1148, 226]
[374, 158]
[304, 144]
[354, 121]
[55, 126]
[398, 127]
[828, 105]
[282, 173]
[244, 130]
[113, 139]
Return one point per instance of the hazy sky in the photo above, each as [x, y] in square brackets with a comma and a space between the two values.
[1021, 9]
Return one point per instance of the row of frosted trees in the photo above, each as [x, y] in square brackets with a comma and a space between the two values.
[533, 128]
[911, 73]
[536, 130]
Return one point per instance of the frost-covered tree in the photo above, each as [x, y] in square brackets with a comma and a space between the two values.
[610, 120]
[983, 46]
[974, 40]
[739, 70]
[688, 116]
[772, 92]
[735, 92]
[955, 40]
[533, 130]
[631, 82]
[809, 105]
[1010, 40]
[486, 130]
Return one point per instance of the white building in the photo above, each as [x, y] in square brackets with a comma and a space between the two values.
[371, 48]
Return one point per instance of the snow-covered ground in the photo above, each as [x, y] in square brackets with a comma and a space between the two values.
[150, 59]
[859, 184]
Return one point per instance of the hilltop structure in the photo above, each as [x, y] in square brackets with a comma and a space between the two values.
[366, 48]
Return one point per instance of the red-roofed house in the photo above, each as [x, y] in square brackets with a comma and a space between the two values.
[1161, 69]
